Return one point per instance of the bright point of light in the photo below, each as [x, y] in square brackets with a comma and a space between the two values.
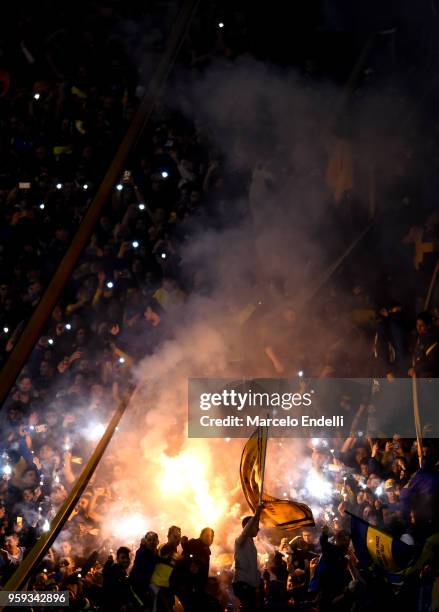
[39, 508]
[59, 185]
[95, 432]
[141, 207]
[164, 174]
[317, 486]
[163, 255]
[300, 373]
[119, 186]
[42, 206]
[6, 329]
[121, 359]
[68, 326]
[110, 285]
[41, 483]
[315, 441]
[135, 244]
[227, 439]
[79, 575]
[57, 479]
[66, 447]
[50, 341]
[379, 490]
[32, 427]
[221, 24]
[46, 525]
[7, 470]
[36, 96]
[85, 186]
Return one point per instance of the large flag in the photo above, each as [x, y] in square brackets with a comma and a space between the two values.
[283, 513]
[374, 547]
[253, 466]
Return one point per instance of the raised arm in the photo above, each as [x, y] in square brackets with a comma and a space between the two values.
[251, 525]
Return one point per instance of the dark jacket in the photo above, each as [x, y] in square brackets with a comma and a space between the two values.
[195, 550]
[332, 574]
[116, 588]
[425, 360]
[141, 572]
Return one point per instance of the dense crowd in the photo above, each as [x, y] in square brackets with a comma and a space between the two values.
[59, 133]
[64, 115]
[67, 98]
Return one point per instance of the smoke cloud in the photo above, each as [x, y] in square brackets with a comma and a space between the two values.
[273, 132]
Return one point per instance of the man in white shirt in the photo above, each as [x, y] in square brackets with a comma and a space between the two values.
[247, 577]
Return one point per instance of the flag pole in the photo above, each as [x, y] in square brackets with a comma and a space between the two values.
[264, 440]
[417, 416]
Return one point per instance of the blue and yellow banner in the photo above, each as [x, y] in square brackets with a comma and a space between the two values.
[375, 547]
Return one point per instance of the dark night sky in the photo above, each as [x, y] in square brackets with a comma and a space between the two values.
[332, 32]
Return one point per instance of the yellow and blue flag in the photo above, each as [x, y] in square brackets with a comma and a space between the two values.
[283, 513]
[377, 548]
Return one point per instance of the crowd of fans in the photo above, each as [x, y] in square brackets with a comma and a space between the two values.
[64, 115]
[67, 98]
[59, 133]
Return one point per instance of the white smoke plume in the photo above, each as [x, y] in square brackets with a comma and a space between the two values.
[273, 131]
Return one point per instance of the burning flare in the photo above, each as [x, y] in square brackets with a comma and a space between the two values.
[187, 478]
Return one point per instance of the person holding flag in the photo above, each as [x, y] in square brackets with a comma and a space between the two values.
[247, 580]
[287, 515]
